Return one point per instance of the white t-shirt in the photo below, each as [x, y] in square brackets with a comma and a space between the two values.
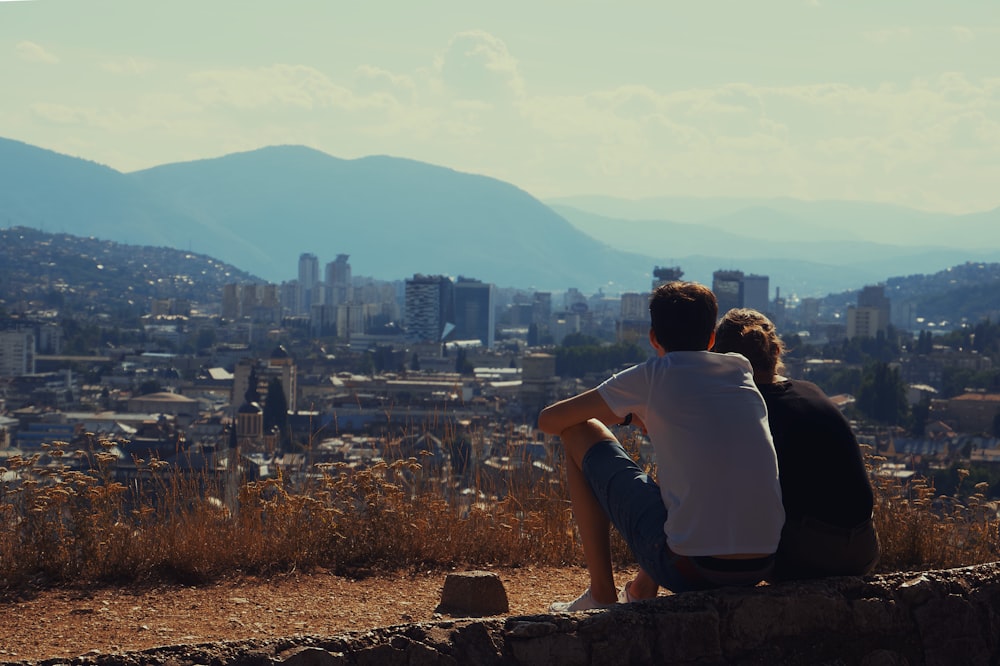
[717, 469]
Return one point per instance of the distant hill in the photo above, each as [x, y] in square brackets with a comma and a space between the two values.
[84, 274]
[967, 293]
[87, 274]
[799, 253]
[784, 220]
[260, 210]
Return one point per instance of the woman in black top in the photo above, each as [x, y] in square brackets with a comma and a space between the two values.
[824, 484]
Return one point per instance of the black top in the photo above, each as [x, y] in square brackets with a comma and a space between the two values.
[819, 462]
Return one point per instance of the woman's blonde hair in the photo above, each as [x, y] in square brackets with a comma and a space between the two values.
[751, 334]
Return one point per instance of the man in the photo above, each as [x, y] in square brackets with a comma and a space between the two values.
[714, 516]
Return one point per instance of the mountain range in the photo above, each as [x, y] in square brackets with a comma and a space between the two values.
[395, 217]
[809, 248]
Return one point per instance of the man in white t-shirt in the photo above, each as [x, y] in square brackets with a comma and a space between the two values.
[714, 515]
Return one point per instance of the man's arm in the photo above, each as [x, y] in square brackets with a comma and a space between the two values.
[588, 405]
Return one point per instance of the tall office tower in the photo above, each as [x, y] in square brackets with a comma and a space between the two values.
[49, 339]
[635, 307]
[663, 274]
[230, 301]
[755, 293]
[633, 324]
[542, 308]
[308, 277]
[728, 288]
[871, 316]
[338, 280]
[873, 296]
[574, 300]
[17, 353]
[430, 308]
[267, 295]
[289, 294]
[353, 318]
[474, 311]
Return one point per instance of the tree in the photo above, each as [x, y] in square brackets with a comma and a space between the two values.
[882, 396]
[275, 410]
[149, 386]
[532, 335]
[919, 415]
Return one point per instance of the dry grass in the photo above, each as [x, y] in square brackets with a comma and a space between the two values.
[920, 530]
[61, 526]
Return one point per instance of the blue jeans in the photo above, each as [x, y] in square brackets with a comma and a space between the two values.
[633, 503]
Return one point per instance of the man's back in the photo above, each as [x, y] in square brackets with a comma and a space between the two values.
[716, 465]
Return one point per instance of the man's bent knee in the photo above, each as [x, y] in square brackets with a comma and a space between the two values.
[578, 439]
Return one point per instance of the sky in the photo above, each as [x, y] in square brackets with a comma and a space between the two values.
[895, 101]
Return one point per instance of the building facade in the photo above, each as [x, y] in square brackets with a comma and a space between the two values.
[17, 353]
[474, 311]
[430, 308]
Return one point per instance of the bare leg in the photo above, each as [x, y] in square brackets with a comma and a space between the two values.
[591, 520]
[643, 586]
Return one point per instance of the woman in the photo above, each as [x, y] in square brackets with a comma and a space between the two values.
[824, 484]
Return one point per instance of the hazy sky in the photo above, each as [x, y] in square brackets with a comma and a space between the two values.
[892, 100]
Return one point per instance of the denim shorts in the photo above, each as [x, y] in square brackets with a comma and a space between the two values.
[633, 502]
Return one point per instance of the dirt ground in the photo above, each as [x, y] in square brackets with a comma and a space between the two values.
[65, 623]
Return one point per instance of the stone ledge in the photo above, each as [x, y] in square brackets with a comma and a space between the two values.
[933, 618]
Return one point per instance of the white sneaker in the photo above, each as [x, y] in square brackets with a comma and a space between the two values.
[581, 603]
[623, 594]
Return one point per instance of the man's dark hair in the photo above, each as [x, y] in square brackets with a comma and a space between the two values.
[683, 315]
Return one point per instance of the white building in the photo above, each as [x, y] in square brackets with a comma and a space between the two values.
[17, 353]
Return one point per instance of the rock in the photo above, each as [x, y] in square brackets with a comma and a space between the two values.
[310, 656]
[942, 617]
[473, 594]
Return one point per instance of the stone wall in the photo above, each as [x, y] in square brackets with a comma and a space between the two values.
[936, 617]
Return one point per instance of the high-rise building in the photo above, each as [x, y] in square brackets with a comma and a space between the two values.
[862, 322]
[733, 289]
[474, 311]
[353, 318]
[635, 307]
[633, 325]
[728, 289]
[542, 307]
[17, 353]
[430, 308]
[755, 293]
[871, 316]
[338, 280]
[662, 274]
[290, 295]
[231, 301]
[308, 277]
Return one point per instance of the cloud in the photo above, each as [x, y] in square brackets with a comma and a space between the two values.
[369, 79]
[61, 114]
[290, 86]
[478, 65]
[888, 35]
[32, 52]
[963, 34]
[128, 66]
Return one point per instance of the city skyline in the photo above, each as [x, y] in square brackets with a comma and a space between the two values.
[894, 103]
